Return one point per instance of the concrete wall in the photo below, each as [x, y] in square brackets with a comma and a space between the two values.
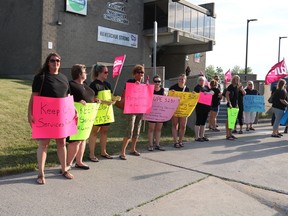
[20, 36]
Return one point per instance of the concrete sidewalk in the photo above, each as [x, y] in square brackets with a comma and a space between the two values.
[243, 177]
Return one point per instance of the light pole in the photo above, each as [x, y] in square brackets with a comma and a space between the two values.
[247, 33]
[280, 47]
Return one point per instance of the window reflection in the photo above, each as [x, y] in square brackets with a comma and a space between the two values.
[194, 22]
[179, 16]
[187, 19]
[172, 14]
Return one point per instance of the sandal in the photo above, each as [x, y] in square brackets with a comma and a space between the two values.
[199, 140]
[176, 145]
[276, 135]
[150, 148]
[230, 138]
[67, 175]
[122, 157]
[234, 137]
[41, 179]
[160, 148]
[251, 128]
[107, 156]
[135, 153]
[205, 139]
[181, 144]
[94, 159]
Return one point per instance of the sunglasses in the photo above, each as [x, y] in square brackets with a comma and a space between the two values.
[140, 72]
[54, 60]
[105, 72]
[157, 81]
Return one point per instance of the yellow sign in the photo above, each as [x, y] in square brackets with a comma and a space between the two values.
[105, 112]
[232, 117]
[188, 102]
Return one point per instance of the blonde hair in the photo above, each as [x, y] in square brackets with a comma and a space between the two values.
[250, 82]
[235, 80]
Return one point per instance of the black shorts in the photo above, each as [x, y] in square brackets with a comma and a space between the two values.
[201, 116]
[100, 125]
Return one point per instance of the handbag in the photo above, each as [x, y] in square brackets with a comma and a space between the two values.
[270, 99]
[120, 104]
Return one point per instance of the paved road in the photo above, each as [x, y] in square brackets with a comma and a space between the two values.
[220, 177]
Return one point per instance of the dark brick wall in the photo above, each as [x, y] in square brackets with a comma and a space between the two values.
[20, 36]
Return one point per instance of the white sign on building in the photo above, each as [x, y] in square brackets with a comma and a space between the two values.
[114, 36]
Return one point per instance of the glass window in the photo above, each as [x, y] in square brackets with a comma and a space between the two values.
[207, 26]
[201, 24]
[187, 19]
[172, 14]
[194, 22]
[212, 28]
[179, 16]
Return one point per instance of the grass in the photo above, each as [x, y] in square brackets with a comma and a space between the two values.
[18, 150]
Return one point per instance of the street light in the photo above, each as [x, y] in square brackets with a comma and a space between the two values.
[248, 20]
[280, 47]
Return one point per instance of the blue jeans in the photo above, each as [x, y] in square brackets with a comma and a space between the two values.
[278, 115]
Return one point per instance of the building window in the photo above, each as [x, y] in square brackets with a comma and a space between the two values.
[201, 24]
[187, 19]
[194, 22]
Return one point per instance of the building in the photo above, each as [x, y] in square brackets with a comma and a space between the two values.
[90, 31]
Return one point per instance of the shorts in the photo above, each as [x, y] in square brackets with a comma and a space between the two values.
[215, 109]
[100, 125]
[134, 122]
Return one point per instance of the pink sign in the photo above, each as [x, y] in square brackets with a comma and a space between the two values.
[278, 71]
[163, 108]
[138, 98]
[205, 98]
[118, 64]
[53, 117]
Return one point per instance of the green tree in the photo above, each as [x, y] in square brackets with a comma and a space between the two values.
[237, 70]
[210, 72]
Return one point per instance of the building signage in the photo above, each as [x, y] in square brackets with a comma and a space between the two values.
[114, 36]
[77, 6]
[116, 12]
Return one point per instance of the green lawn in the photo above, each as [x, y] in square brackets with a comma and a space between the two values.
[18, 150]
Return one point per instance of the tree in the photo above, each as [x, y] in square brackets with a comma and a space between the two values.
[210, 72]
[237, 70]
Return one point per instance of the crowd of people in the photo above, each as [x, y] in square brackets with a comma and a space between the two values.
[49, 82]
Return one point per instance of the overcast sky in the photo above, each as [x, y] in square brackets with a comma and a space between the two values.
[264, 34]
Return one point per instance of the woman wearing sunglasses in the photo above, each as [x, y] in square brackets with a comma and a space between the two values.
[154, 130]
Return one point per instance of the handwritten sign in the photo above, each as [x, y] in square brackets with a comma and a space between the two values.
[254, 103]
[86, 116]
[163, 108]
[205, 98]
[188, 102]
[138, 98]
[105, 112]
[54, 117]
[232, 117]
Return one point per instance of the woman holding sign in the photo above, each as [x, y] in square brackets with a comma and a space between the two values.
[217, 96]
[99, 74]
[84, 94]
[202, 111]
[249, 117]
[49, 82]
[154, 130]
[179, 121]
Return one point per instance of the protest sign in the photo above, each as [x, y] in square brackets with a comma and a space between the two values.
[205, 98]
[105, 112]
[53, 117]
[284, 119]
[86, 117]
[254, 103]
[138, 98]
[188, 102]
[232, 116]
[163, 108]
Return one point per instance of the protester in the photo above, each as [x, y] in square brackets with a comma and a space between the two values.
[49, 82]
[241, 108]
[99, 75]
[249, 117]
[134, 120]
[202, 111]
[84, 94]
[154, 130]
[217, 79]
[279, 103]
[179, 121]
[231, 95]
[217, 96]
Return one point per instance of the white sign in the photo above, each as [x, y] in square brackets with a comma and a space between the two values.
[113, 36]
[116, 12]
[77, 6]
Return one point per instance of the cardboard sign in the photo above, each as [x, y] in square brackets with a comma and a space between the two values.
[163, 108]
[105, 112]
[138, 98]
[86, 117]
[205, 98]
[232, 117]
[188, 102]
[54, 117]
[254, 103]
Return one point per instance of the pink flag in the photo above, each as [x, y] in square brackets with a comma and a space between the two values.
[278, 71]
[118, 64]
[228, 76]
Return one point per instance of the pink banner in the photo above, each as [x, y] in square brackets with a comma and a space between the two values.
[163, 108]
[205, 98]
[118, 64]
[278, 71]
[228, 76]
[138, 98]
[53, 117]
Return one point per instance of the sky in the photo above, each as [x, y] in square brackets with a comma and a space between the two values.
[231, 24]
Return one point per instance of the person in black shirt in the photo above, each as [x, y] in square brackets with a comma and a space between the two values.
[202, 111]
[49, 82]
[84, 94]
[231, 95]
[249, 117]
[154, 129]
[217, 96]
[279, 103]
[99, 75]
[241, 94]
[179, 121]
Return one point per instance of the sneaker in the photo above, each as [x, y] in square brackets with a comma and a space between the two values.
[199, 140]
[234, 137]
[205, 139]
[160, 148]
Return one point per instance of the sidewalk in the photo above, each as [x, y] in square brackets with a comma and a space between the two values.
[210, 178]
